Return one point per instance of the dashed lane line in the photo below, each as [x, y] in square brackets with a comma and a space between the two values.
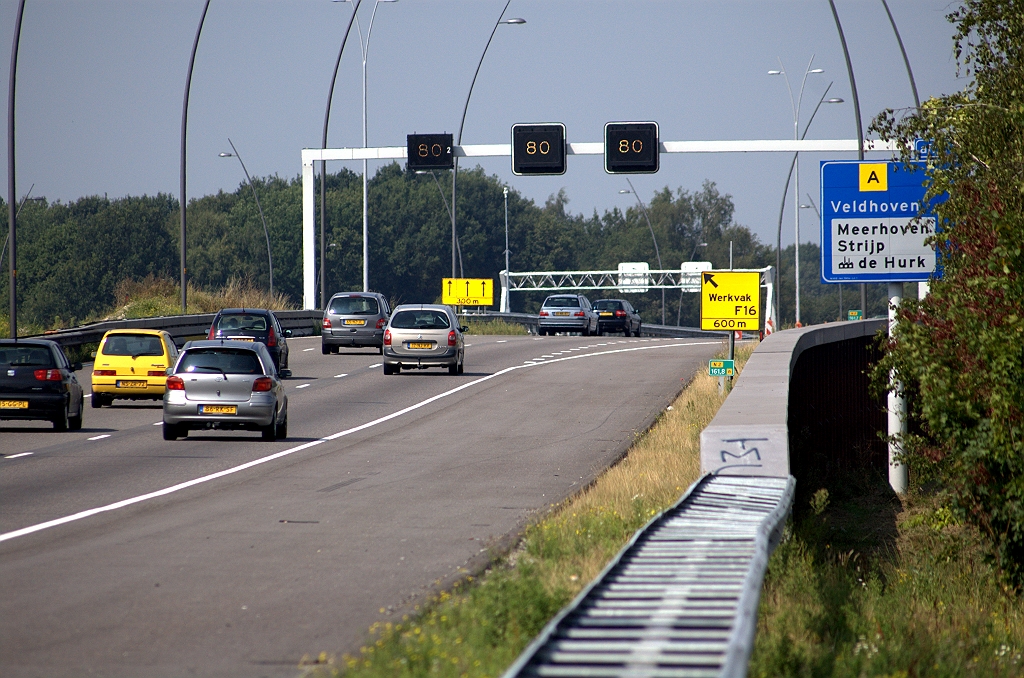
[99, 437]
[15, 456]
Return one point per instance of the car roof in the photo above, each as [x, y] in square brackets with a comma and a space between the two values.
[156, 333]
[250, 311]
[229, 343]
[608, 300]
[31, 342]
[423, 307]
[356, 294]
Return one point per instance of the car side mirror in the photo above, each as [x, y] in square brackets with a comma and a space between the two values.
[76, 366]
[287, 333]
[285, 374]
[93, 354]
[463, 329]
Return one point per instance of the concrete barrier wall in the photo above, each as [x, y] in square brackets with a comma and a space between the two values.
[750, 434]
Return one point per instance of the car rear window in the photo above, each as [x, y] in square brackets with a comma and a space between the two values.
[354, 306]
[27, 356]
[239, 321]
[226, 360]
[420, 320]
[132, 344]
[562, 302]
[608, 305]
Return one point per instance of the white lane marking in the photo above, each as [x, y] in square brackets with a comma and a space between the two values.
[469, 344]
[159, 423]
[301, 386]
[339, 376]
[313, 443]
[602, 344]
[501, 341]
[20, 454]
[308, 349]
[574, 349]
[87, 395]
[375, 365]
[548, 356]
[99, 437]
[529, 362]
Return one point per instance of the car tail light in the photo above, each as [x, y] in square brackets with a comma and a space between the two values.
[175, 383]
[327, 323]
[543, 313]
[262, 384]
[104, 373]
[381, 323]
[156, 373]
[387, 337]
[620, 313]
[271, 338]
[579, 314]
[48, 375]
[451, 338]
[210, 334]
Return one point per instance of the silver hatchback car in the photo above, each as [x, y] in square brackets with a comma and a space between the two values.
[223, 384]
[421, 336]
[354, 319]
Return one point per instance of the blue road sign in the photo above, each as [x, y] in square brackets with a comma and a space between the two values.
[870, 231]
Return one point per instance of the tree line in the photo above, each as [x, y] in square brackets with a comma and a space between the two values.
[71, 256]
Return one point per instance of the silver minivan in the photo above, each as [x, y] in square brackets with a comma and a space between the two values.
[421, 336]
[355, 319]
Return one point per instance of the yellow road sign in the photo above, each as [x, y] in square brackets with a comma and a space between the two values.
[730, 300]
[467, 291]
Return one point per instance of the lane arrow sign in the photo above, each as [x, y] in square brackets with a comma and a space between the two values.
[710, 278]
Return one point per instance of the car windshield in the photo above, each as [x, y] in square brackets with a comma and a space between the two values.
[132, 344]
[242, 321]
[27, 356]
[354, 306]
[562, 302]
[420, 320]
[608, 305]
[226, 360]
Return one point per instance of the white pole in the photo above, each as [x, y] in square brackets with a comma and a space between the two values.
[308, 244]
[504, 286]
[897, 406]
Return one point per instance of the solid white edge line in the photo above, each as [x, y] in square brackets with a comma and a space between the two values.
[313, 443]
[20, 454]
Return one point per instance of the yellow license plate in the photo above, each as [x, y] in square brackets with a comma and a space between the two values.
[218, 409]
[240, 338]
[561, 313]
[355, 322]
[420, 344]
[132, 384]
[605, 314]
[13, 404]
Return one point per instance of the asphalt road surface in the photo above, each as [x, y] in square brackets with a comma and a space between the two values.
[223, 555]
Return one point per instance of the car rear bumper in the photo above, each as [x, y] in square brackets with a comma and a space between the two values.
[613, 325]
[155, 387]
[564, 324]
[40, 406]
[250, 415]
[446, 359]
[353, 338]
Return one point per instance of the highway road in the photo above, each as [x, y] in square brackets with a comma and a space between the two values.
[223, 555]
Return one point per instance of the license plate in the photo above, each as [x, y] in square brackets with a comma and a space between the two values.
[240, 338]
[218, 409]
[355, 322]
[420, 344]
[561, 313]
[605, 315]
[13, 404]
[132, 384]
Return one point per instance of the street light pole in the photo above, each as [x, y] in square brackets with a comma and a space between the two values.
[12, 214]
[657, 253]
[446, 209]
[505, 306]
[455, 170]
[270, 261]
[796, 136]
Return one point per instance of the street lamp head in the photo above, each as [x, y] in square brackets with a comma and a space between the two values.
[775, 72]
[835, 100]
[816, 70]
[625, 191]
[227, 155]
[514, 22]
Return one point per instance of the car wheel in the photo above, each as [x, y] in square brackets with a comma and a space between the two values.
[380, 350]
[60, 422]
[454, 367]
[388, 369]
[75, 423]
[638, 330]
[462, 365]
[282, 428]
[325, 349]
[270, 430]
[96, 400]
[173, 431]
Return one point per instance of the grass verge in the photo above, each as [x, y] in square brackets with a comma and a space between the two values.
[494, 327]
[480, 626]
[152, 297]
[868, 585]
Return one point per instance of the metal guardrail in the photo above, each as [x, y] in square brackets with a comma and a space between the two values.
[681, 598]
[180, 327]
[530, 321]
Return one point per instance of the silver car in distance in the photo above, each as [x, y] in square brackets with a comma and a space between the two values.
[421, 336]
[223, 384]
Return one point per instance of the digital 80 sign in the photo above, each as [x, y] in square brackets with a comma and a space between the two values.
[631, 148]
[538, 149]
[430, 151]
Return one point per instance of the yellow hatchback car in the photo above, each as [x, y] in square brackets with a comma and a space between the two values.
[132, 364]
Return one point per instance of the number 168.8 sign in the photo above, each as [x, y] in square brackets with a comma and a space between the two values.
[538, 148]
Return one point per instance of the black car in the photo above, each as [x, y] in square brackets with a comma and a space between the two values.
[38, 382]
[617, 315]
[254, 324]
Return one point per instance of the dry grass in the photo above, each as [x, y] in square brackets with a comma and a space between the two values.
[496, 327]
[153, 297]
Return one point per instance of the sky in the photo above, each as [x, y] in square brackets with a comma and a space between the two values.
[100, 87]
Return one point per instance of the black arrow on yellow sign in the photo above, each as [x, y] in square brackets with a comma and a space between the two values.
[710, 278]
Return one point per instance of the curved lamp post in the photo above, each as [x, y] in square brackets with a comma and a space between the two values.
[455, 171]
[270, 261]
[12, 214]
[651, 229]
[446, 209]
[323, 163]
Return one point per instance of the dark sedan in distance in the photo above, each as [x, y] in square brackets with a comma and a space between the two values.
[617, 315]
[37, 381]
[256, 325]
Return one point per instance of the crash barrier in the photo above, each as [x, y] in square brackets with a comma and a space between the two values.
[681, 598]
[180, 327]
[530, 321]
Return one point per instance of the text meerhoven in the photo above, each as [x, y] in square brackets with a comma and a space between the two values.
[881, 244]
